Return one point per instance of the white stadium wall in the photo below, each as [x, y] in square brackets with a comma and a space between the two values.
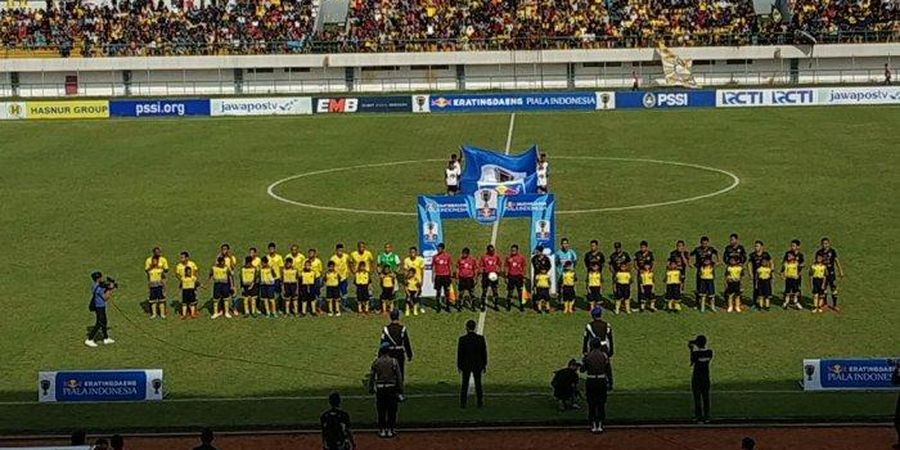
[404, 72]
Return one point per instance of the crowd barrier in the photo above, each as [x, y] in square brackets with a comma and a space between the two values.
[451, 103]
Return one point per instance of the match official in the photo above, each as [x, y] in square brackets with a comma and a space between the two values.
[598, 369]
[471, 360]
[700, 382]
[396, 337]
[387, 383]
[101, 293]
[598, 329]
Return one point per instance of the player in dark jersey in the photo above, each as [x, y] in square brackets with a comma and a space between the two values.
[700, 254]
[734, 248]
[617, 259]
[682, 259]
[758, 257]
[830, 259]
[642, 258]
[794, 251]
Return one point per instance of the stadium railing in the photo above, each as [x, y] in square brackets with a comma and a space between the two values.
[427, 45]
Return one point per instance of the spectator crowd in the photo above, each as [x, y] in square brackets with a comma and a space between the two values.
[141, 27]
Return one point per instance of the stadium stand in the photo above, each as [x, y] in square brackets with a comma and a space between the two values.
[139, 28]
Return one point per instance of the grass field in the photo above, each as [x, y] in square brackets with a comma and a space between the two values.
[80, 196]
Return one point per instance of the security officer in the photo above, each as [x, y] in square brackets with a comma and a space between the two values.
[397, 340]
[598, 329]
[700, 383]
[598, 370]
[387, 382]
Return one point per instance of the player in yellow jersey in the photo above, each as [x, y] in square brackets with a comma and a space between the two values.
[413, 288]
[595, 285]
[267, 287]
[276, 261]
[361, 278]
[290, 287]
[189, 286]
[254, 256]
[342, 266]
[763, 284]
[298, 257]
[317, 266]
[364, 256]
[817, 275]
[734, 273]
[707, 291]
[156, 280]
[790, 271]
[221, 277]
[646, 297]
[333, 290]
[542, 291]
[309, 279]
[185, 263]
[622, 289]
[249, 278]
[388, 290]
[674, 283]
[162, 262]
[568, 288]
[230, 259]
[415, 263]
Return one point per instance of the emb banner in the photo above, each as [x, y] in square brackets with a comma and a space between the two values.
[849, 374]
[133, 385]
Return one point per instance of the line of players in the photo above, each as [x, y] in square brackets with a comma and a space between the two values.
[292, 284]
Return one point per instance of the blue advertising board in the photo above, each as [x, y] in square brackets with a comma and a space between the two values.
[159, 108]
[850, 374]
[332, 105]
[100, 385]
[666, 99]
[532, 101]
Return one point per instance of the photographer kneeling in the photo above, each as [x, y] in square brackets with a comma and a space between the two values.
[101, 292]
[700, 383]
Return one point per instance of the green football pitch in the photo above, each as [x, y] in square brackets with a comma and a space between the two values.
[79, 196]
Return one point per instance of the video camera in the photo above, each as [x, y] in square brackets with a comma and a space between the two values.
[110, 283]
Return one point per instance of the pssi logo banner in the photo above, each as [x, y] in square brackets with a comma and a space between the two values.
[665, 99]
[272, 106]
[12, 110]
[744, 98]
[510, 102]
[72, 109]
[159, 108]
[850, 374]
[100, 385]
[883, 95]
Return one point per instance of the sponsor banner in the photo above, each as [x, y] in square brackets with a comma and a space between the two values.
[159, 108]
[606, 100]
[851, 374]
[506, 174]
[100, 385]
[882, 95]
[745, 98]
[421, 103]
[512, 101]
[666, 99]
[269, 106]
[70, 109]
[363, 104]
[12, 110]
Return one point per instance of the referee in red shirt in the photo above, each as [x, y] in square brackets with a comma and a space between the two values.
[515, 277]
[442, 265]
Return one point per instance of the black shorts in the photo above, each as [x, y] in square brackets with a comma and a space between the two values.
[452, 189]
[595, 293]
[622, 291]
[267, 291]
[387, 293]
[791, 286]
[157, 294]
[466, 284]
[290, 290]
[189, 296]
[487, 283]
[673, 292]
[332, 292]
[221, 291]
[515, 282]
[542, 294]
[307, 292]
[831, 281]
[442, 282]
[818, 286]
[362, 292]
[412, 296]
[733, 288]
[568, 293]
[646, 292]
[250, 291]
[764, 288]
[706, 287]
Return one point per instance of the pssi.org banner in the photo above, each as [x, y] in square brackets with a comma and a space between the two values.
[100, 385]
[507, 102]
[745, 98]
[850, 374]
[159, 108]
[263, 106]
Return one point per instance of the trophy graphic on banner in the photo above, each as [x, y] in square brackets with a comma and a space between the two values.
[604, 98]
[45, 387]
[157, 384]
[543, 229]
[810, 370]
[486, 203]
[420, 102]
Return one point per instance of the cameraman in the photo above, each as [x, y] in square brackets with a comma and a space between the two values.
[700, 384]
[101, 292]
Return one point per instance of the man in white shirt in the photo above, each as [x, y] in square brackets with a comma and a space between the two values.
[451, 177]
[543, 174]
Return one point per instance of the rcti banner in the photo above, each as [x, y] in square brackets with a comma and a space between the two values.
[506, 174]
[100, 385]
[744, 98]
[850, 374]
[507, 102]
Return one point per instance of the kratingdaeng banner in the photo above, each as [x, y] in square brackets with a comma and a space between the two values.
[506, 174]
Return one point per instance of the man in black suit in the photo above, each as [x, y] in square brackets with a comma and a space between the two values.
[471, 360]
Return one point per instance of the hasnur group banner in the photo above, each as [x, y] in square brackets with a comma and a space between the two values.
[510, 102]
[100, 385]
[69, 109]
[506, 174]
[851, 374]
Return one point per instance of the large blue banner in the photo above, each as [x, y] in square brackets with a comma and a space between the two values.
[666, 99]
[159, 108]
[100, 385]
[513, 101]
[507, 174]
[849, 374]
